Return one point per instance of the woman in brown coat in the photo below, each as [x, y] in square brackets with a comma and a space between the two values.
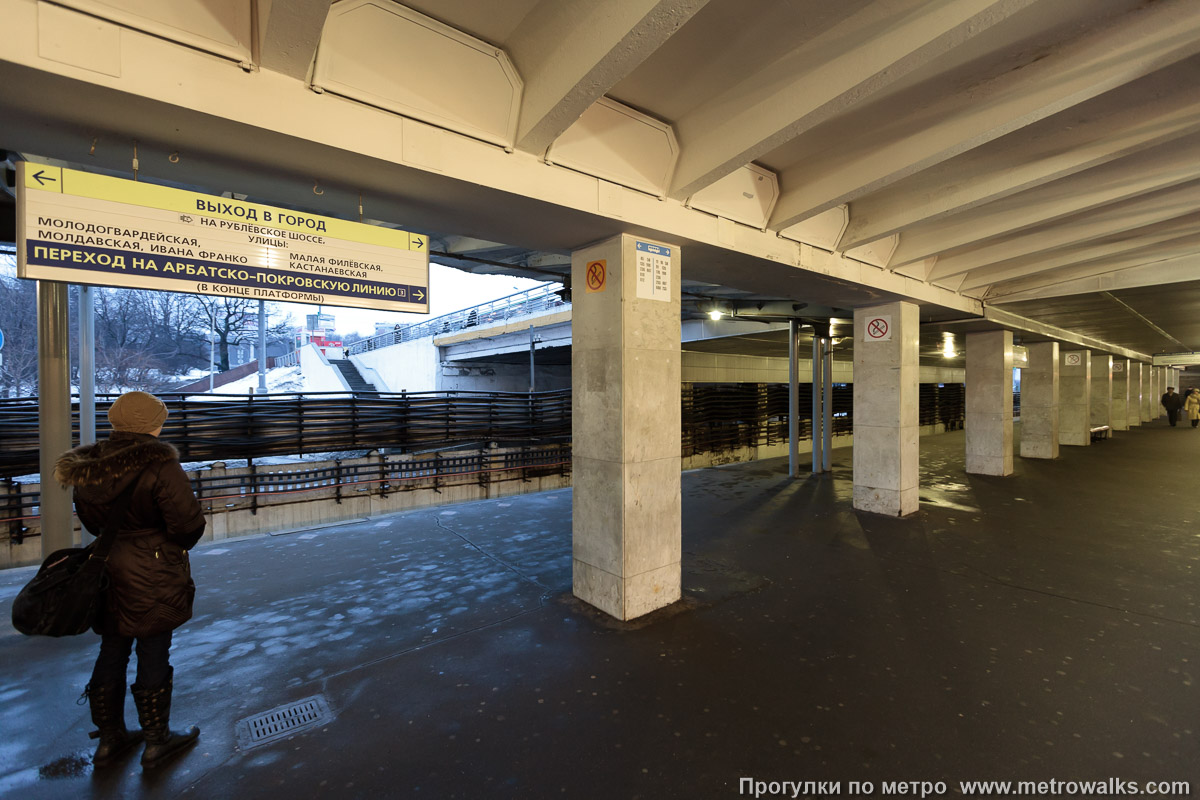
[133, 484]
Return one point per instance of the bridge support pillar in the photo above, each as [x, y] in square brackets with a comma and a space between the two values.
[1039, 402]
[625, 377]
[1120, 394]
[989, 417]
[886, 400]
[1074, 399]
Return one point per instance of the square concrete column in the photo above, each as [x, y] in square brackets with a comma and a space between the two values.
[1074, 398]
[989, 412]
[1135, 394]
[1155, 392]
[1101, 399]
[886, 397]
[1120, 394]
[1039, 402]
[1148, 398]
[625, 375]
[1163, 383]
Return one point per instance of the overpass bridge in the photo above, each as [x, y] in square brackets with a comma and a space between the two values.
[488, 346]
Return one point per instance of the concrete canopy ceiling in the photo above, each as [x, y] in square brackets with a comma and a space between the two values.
[1037, 157]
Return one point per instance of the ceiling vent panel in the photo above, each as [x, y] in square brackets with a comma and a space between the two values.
[746, 195]
[877, 253]
[616, 143]
[221, 27]
[824, 230]
[392, 57]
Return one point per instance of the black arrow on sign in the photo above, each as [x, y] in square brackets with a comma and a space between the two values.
[41, 177]
[418, 242]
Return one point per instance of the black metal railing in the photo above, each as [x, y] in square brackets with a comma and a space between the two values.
[535, 430]
[541, 299]
[253, 488]
[255, 426]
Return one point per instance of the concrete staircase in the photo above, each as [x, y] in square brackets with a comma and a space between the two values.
[353, 377]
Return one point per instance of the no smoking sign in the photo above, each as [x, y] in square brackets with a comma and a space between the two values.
[596, 275]
[878, 329]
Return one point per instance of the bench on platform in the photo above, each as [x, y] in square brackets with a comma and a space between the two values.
[1101, 432]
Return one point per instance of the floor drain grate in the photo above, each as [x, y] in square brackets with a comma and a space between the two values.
[283, 721]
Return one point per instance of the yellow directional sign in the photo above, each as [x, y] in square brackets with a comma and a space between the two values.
[79, 227]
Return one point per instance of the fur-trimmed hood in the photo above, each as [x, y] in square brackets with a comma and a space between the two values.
[104, 469]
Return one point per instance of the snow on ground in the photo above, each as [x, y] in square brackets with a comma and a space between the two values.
[279, 380]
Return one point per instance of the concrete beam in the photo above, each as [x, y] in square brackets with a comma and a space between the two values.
[290, 36]
[843, 67]
[1151, 259]
[1180, 270]
[1016, 322]
[571, 52]
[1150, 112]
[1117, 181]
[264, 132]
[1159, 242]
[1120, 51]
[1112, 219]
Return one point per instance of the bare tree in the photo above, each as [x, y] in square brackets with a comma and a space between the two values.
[142, 337]
[18, 320]
[234, 321]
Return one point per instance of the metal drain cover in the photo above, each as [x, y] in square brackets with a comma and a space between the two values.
[281, 722]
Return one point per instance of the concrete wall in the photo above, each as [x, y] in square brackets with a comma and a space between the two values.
[501, 377]
[408, 367]
[319, 374]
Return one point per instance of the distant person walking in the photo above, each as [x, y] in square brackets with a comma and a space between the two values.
[1172, 403]
[1191, 406]
[132, 483]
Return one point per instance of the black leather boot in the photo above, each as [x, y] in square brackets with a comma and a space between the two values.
[107, 704]
[154, 712]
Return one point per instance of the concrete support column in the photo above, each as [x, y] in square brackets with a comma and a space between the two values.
[886, 394]
[1039, 402]
[1148, 398]
[1135, 394]
[1155, 392]
[1120, 394]
[625, 372]
[1163, 382]
[989, 412]
[1074, 398]
[1101, 399]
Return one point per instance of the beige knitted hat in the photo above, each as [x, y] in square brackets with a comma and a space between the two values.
[137, 412]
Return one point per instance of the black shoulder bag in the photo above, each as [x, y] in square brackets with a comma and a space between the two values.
[67, 594]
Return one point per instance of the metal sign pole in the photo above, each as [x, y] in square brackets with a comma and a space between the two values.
[87, 365]
[794, 397]
[816, 403]
[262, 347]
[827, 417]
[531, 380]
[54, 412]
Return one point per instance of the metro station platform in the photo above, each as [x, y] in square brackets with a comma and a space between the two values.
[1040, 626]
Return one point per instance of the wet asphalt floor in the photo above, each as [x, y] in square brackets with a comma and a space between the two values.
[1040, 626]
